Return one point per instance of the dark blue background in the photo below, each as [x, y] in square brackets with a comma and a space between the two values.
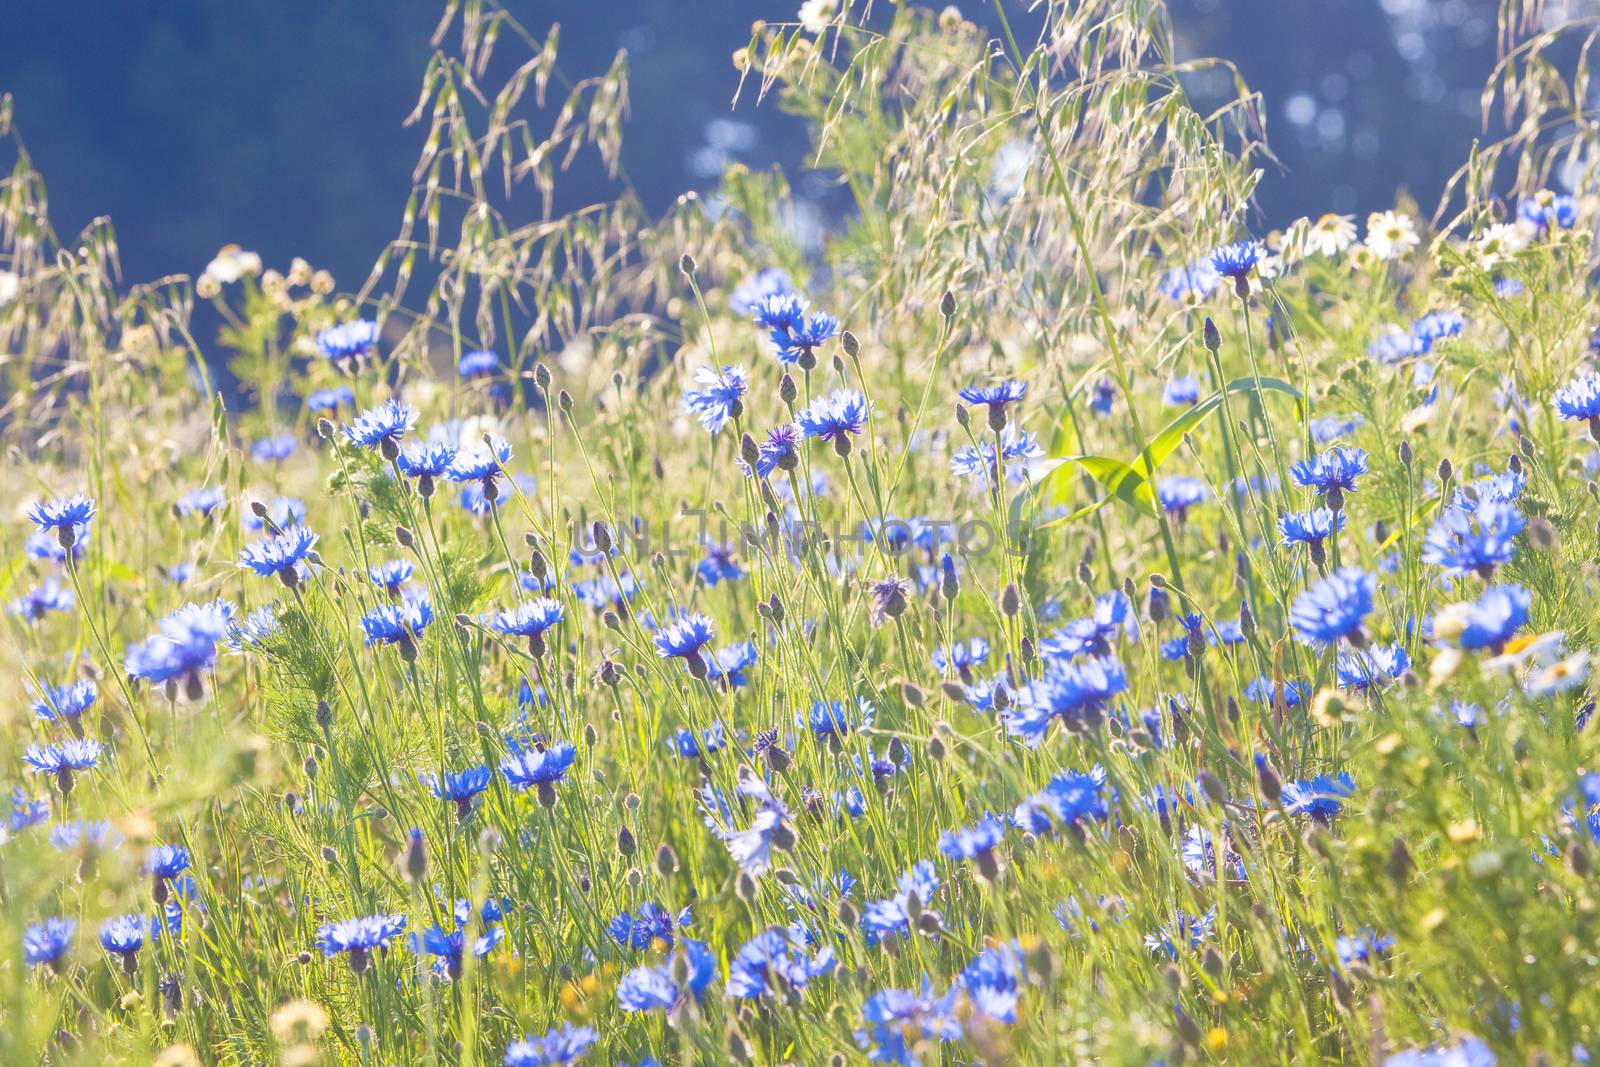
[193, 123]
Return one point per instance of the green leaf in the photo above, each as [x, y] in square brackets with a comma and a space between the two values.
[1132, 482]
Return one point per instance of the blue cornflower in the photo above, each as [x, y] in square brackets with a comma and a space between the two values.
[25, 811]
[165, 864]
[1321, 797]
[451, 945]
[530, 619]
[686, 744]
[331, 399]
[1182, 391]
[972, 461]
[892, 917]
[65, 703]
[1490, 622]
[348, 340]
[833, 719]
[1332, 427]
[178, 573]
[1362, 947]
[961, 656]
[255, 629]
[898, 1020]
[1453, 543]
[93, 835]
[1392, 347]
[280, 555]
[780, 451]
[1264, 690]
[274, 449]
[1199, 853]
[1503, 488]
[426, 461]
[652, 923]
[718, 565]
[1113, 616]
[72, 756]
[283, 512]
[390, 575]
[1332, 474]
[50, 595]
[482, 465]
[563, 1044]
[42, 545]
[539, 768]
[1198, 280]
[47, 942]
[1546, 210]
[1074, 691]
[1236, 260]
[184, 646]
[993, 980]
[795, 336]
[202, 501]
[398, 624]
[64, 515]
[479, 364]
[1333, 608]
[605, 591]
[382, 427]
[1179, 493]
[748, 294]
[976, 843]
[1581, 400]
[995, 397]
[1188, 931]
[123, 937]
[358, 937]
[1104, 397]
[775, 962]
[458, 787]
[751, 848]
[720, 400]
[684, 639]
[653, 988]
[834, 417]
[1372, 667]
[730, 666]
[1311, 528]
[1069, 800]
[1433, 327]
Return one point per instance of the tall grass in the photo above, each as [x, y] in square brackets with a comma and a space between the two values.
[1040, 209]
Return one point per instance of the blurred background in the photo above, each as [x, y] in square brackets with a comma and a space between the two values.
[278, 126]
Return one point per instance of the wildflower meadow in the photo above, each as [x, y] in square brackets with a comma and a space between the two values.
[1040, 615]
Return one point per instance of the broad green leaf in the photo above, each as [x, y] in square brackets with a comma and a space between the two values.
[1131, 482]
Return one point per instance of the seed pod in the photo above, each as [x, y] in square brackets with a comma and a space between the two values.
[1212, 339]
[851, 346]
[666, 861]
[947, 304]
[416, 857]
[686, 264]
